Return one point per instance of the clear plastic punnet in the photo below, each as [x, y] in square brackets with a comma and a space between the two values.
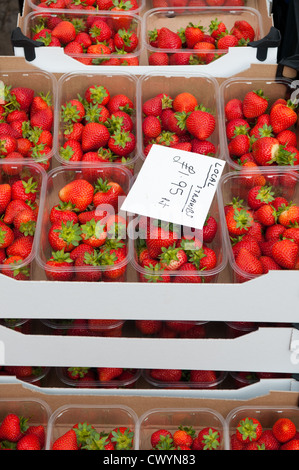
[205, 90]
[261, 124]
[184, 379]
[103, 418]
[114, 104]
[23, 94]
[200, 421]
[39, 26]
[134, 6]
[258, 212]
[267, 416]
[177, 19]
[97, 230]
[90, 377]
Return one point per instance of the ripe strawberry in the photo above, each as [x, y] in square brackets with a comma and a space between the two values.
[266, 215]
[79, 193]
[284, 429]
[11, 268]
[216, 28]
[25, 190]
[21, 246]
[259, 195]
[250, 243]
[201, 124]
[183, 437]
[39, 431]
[234, 109]
[249, 263]
[5, 196]
[225, 41]
[63, 212]
[265, 150]
[68, 441]
[203, 147]
[168, 39]
[161, 439]
[25, 221]
[122, 438]
[120, 102]
[94, 136]
[293, 444]
[238, 221]
[282, 117]
[6, 235]
[160, 237]
[29, 442]
[107, 193]
[100, 31]
[94, 234]
[64, 236]
[172, 258]
[243, 30]
[193, 34]
[23, 96]
[254, 104]
[158, 58]
[184, 102]
[268, 440]
[13, 427]
[288, 215]
[285, 253]
[249, 430]
[166, 375]
[65, 31]
[106, 374]
[209, 438]
[239, 145]
[122, 143]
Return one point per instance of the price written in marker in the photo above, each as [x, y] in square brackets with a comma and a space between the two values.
[175, 186]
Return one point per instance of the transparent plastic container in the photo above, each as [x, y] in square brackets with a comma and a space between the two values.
[36, 410]
[237, 88]
[126, 379]
[73, 84]
[204, 88]
[236, 329]
[201, 3]
[106, 328]
[159, 274]
[283, 183]
[10, 173]
[104, 418]
[35, 377]
[265, 414]
[185, 382]
[41, 82]
[243, 379]
[57, 179]
[35, 6]
[132, 21]
[171, 418]
[180, 17]
[21, 325]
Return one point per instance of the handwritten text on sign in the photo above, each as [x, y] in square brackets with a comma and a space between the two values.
[175, 186]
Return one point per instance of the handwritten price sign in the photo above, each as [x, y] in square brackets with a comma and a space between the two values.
[175, 186]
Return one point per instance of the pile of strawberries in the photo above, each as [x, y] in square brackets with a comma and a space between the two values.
[26, 127]
[260, 134]
[250, 434]
[180, 122]
[202, 46]
[98, 127]
[84, 436]
[263, 226]
[171, 328]
[19, 207]
[91, 39]
[87, 235]
[89, 5]
[170, 378]
[164, 254]
[16, 433]
[186, 438]
[94, 377]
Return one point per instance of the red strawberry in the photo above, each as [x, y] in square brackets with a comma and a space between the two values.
[166, 375]
[58, 267]
[6, 235]
[226, 41]
[182, 437]
[43, 119]
[161, 439]
[63, 212]
[11, 268]
[269, 440]
[282, 117]
[209, 438]
[284, 429]
[94, 136]
[79, 193]
[68, 441]
[293, 444]
[193, 34]
[105, 374]
[188, 273]
[39, 431]
[21, 246]
[234, 109]
[160, 237]
[122, 438]
[288, 215]
[285, 253]
[254, 104]
[168, 39]
[29, 442]
[266, 215]
[249, 263]
[122, 143]
[13, 427]
[25, 190]
[249, 430]
[238, 221]
[201, 124]
[5, 196]
[239, 145]
[64, 236]
[65, 31]
[23, 96]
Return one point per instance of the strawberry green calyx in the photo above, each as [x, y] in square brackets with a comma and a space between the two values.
[92, 229]
[84, 433]
[211, 440]
[92, 259]
[182, 35]
[247, 429]
[37, 151]
[123, 5]
[96, 441]
[284, 157]
[108, 258]
[66, 152]
[118, 231]
[7, 445]
[69, 113]
[241, 130]
[214, 25]
[126, 36]
[165, 443]
[266, 131]
[97, 94]
[46, 39]
[123, 440]
[166, 138]
[65, 206]
[152, 273]
[3, 235]
[181, 118]
[114, 124]
[265, 194]
[70, 233]
[166, 102]
[243, 218]
[107, 154]
[194, 60]
[152, 35]
[201, 107]
[121, 138]
[78, 372]
[188, 429]
[92, 113]
[102, 186]
[10, 100]
[28, 228]
[61, 257]
[31, 133]
[196, 256]
[79, 24]
[169, 254]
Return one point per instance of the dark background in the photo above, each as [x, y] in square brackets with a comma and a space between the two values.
[9, 10]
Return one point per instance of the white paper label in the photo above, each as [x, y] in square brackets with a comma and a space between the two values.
[175, 186]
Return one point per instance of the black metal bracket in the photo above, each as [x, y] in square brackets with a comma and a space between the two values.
[272, 39]
[18, 39]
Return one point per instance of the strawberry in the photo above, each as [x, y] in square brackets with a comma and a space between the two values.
[248, 262]
[201, 124]
[64, 236]
[254, 104]
[107, 193]
[268, 440]
[72, 111]
[148, 327]
[249, 430]
[106, 374]
[21, 246]
[259, 195]
[266, 215]
[13, 427]
[122, 438]
[282, 117]
[172, 258]
[115, 263]
[78, 193]
[168, 39]
[120, 102]
[288, 215]
[68, 441]
[65, 31]
[25, 190]
[8, 144]
[243, 30]
[166, 375]
[225, 41]
[209, 438]
[293, 444]
[23, 96]
[93, 233]
[39, 431]
[265, 150]
[239, 145]
[25, 221]
[43, 119]
[158, 58]
[216, 28]
[63, 212]
[193, 34]
[250, 243]
[184, 102]
[58, 267]
[29, 442]
[183, 437]
[94, 136]
[160, 236]
[234, 109]
[6, 235]
[284, 429]
[238, 221]
[122, 143]
[5, 196]
[285, 253]
[100, 31]
[11, 268]
[161, 439]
